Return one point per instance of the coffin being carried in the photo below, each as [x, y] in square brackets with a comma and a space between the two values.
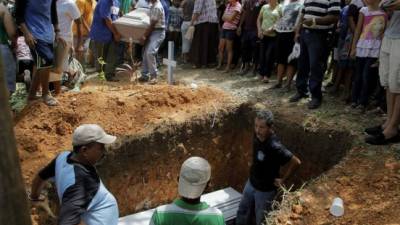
[133, 25]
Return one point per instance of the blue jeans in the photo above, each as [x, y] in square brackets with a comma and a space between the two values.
[9, 67]
[254, 202]
[312, 62]
[363, 81]
[149, 63]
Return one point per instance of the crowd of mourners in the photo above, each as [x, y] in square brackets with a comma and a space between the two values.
[354, 44]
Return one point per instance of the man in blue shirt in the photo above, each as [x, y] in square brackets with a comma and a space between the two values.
[38, 22]
[105, 37]
[82, 195]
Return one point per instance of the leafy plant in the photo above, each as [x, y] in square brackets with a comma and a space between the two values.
[102, 74]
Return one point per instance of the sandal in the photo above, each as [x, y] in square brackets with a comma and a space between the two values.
[380, 139]
[265, 80]
[50, 100]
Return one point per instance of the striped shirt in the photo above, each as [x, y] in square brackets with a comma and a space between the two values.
[207, 10]
[180, 212]
[320, 8]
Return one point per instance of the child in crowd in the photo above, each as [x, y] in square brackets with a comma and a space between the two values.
[365, 47]
[187, 10]
[345, 63]
[231, 18]
[175, 22]
[24, 61]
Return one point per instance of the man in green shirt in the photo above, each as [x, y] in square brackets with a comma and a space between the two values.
[193, 179]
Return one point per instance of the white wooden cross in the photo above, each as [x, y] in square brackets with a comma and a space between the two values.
[170, 62]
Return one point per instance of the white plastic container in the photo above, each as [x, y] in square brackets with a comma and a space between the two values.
[133, 25]
[337, 208]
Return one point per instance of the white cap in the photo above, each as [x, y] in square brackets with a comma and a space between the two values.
[88, 133]
[193, 178]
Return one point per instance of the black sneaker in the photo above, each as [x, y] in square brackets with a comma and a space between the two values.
[314, 103]
[143, 78]
[297, 97]
[380, 139]
[374, 130]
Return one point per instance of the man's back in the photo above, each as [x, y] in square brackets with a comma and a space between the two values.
[180, 212]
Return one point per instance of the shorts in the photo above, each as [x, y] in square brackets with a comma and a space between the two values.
[284, 46]
[228, 34]
[8, 63]
[43, 54]
[389, 65]
[62, 54]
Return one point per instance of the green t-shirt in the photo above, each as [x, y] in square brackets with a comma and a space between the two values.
[269, 18]
[179, 212]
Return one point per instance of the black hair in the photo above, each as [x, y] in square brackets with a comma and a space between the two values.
[77, 148]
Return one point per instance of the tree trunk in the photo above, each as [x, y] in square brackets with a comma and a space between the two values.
[13, 202]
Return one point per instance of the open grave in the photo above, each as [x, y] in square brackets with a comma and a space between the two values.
[141, 169]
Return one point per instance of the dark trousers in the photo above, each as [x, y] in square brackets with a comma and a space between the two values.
[108, 52]
[205, 44]
[267, 56]
[312, 62]
[249, 44]
[364, 81]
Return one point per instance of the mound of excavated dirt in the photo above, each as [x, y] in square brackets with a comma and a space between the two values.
[42, 131]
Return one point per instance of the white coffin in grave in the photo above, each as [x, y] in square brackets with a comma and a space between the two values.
[227, 200]
[133, 25]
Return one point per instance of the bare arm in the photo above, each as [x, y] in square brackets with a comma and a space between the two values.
[230, 18]
[110, 25]
[78, 23]
[293, 164]
[37, 187]
[8, 23]
[357, 35]
[259, 21]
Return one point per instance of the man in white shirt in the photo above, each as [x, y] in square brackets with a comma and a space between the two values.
[67, 13]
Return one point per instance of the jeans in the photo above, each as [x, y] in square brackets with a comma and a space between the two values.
[9, 66]
[364, 80]
[267, 56]
[312, 62]
[249, 44]
[254, 202]
[149, 63]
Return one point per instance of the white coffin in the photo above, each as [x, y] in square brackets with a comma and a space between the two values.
[133, 25]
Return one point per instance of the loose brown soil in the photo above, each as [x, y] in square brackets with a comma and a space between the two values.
[42, 131]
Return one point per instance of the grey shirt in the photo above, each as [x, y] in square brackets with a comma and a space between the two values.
[187, 8]
[393, 29]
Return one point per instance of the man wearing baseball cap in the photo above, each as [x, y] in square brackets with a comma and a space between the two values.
[82, 195]
[193, 179]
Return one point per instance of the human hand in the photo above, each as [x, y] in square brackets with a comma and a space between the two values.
[29, 39]
[142, 40]
[308, 22]
[278, 182]
[117, 37]
[260, 34]
[239, 31]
